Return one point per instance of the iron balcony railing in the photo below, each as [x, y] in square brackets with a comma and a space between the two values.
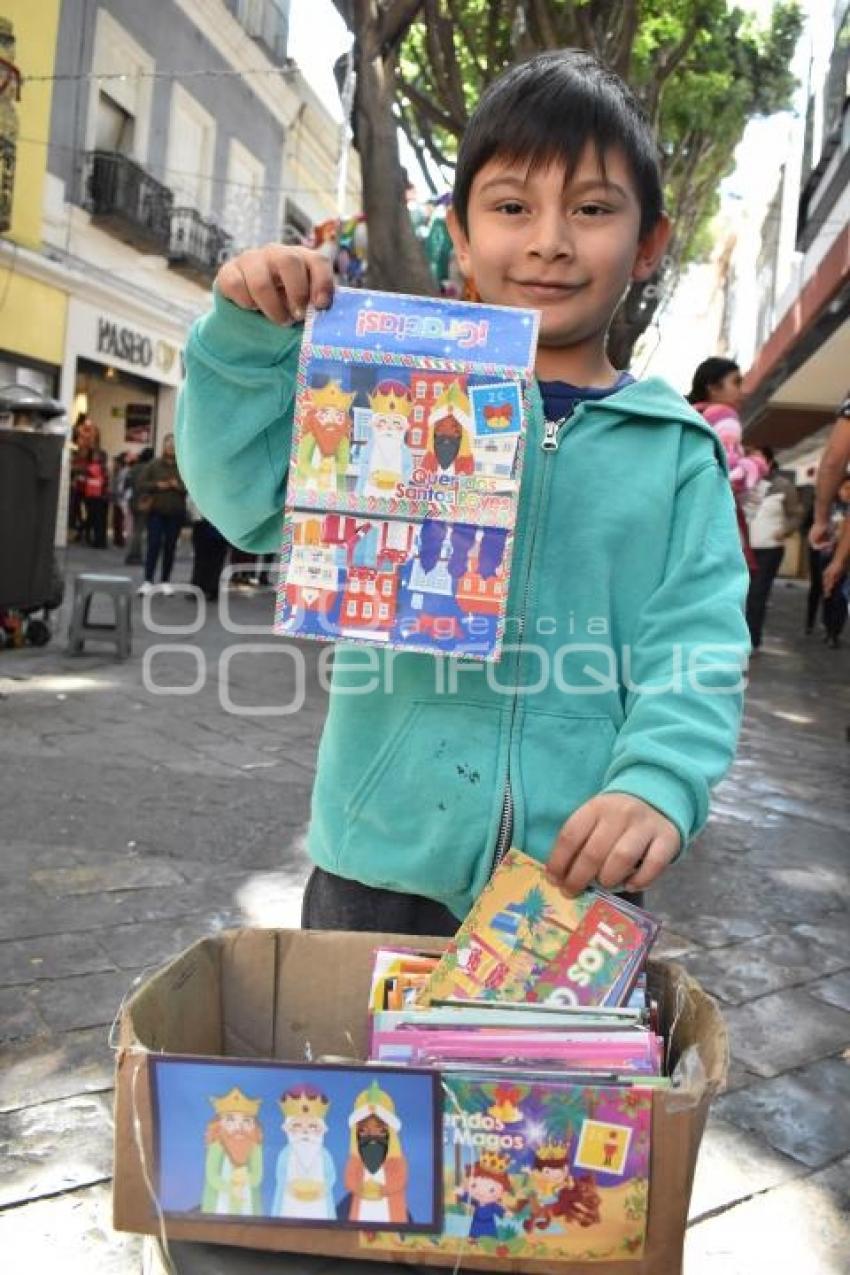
[197, 247]
[120, 195]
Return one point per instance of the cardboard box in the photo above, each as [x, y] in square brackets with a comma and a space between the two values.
[275, 994]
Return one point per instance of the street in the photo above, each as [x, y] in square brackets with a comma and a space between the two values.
[135, 822]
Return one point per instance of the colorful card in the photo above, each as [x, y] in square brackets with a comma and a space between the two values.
[297, 1145]
[405, 472]
[544, 1171]
[525, 940]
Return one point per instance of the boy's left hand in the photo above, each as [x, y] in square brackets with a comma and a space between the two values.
[613, 839]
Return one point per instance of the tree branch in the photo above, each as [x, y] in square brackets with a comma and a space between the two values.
[416, 145]
[395, 22]
[664, 67]
[541, 16]
[423, 104]
[620, 56]
[450, 62]
[467, 36]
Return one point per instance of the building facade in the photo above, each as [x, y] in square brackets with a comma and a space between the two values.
[33, 308]
[161, 139]
[800, 367]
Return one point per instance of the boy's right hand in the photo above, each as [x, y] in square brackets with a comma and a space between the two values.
[277, 280]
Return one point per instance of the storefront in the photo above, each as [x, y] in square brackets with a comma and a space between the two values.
[122, 374]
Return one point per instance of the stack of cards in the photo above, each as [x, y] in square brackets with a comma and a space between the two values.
[539, 1022]
[524, 940]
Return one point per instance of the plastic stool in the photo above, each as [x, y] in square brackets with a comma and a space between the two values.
[120, 589]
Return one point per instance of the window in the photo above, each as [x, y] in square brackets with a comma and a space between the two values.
[418, 413]
[266, 21]
[383, 611]
[191, 149]
[387, 588]
[119, 108]
[438, 388]
[243, 205]
[296, 224]
[351, 609]
[370, 587]
[354, 585]
[421, 391]
[367, 610]
[114, 127]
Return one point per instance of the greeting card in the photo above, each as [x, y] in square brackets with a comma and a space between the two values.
[405, 472]
[543, 1171]
[525, 940]
[298, 1145]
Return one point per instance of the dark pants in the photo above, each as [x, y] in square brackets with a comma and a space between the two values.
[139, 522]
[97, 513]
[117, 526]
[767, 564]
[209, 549]
[163, 530]
[334, 903]
[835, 611]
[816, 565]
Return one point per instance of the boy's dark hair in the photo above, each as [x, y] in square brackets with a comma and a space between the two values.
[549, 109]
[710, 372]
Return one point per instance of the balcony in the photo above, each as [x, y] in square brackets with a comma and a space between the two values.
[127, 201]
[197, 247]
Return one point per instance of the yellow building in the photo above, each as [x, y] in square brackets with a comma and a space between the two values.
[32, 310]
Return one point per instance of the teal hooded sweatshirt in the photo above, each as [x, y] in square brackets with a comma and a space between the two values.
[625, 643]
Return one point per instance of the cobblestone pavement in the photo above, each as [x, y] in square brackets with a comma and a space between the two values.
[133, 823]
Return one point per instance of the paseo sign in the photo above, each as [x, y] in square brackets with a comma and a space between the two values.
[123, 343]
[110, 338]
[136, 348]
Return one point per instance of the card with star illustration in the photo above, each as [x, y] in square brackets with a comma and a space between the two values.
[405, 471]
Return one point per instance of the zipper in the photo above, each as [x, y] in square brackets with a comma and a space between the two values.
[552, 434]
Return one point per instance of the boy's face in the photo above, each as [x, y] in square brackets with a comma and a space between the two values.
[566, 247]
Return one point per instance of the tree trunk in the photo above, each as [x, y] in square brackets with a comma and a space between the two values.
[632, 318]
[396, 260]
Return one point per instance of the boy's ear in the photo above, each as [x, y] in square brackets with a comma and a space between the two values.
[651, 249]
[460, 241]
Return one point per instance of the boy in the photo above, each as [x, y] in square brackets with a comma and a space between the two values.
[592, 745]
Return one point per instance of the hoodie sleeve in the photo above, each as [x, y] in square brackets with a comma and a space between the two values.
[234, 422]
[684, 694]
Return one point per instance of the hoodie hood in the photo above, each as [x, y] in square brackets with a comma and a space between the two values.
[655, 400]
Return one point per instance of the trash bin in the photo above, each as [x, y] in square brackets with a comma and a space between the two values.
[32, 438]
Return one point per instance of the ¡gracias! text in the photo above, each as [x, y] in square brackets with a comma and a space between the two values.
[466, 333]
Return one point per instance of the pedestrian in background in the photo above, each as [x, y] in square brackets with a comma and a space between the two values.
[834, 563]
[716, 394]
[209, 550]
[776, 513]
[832, 470]
[91, 474]
[167, 514]
[76, 511]
[138, 504]
[118, 497]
